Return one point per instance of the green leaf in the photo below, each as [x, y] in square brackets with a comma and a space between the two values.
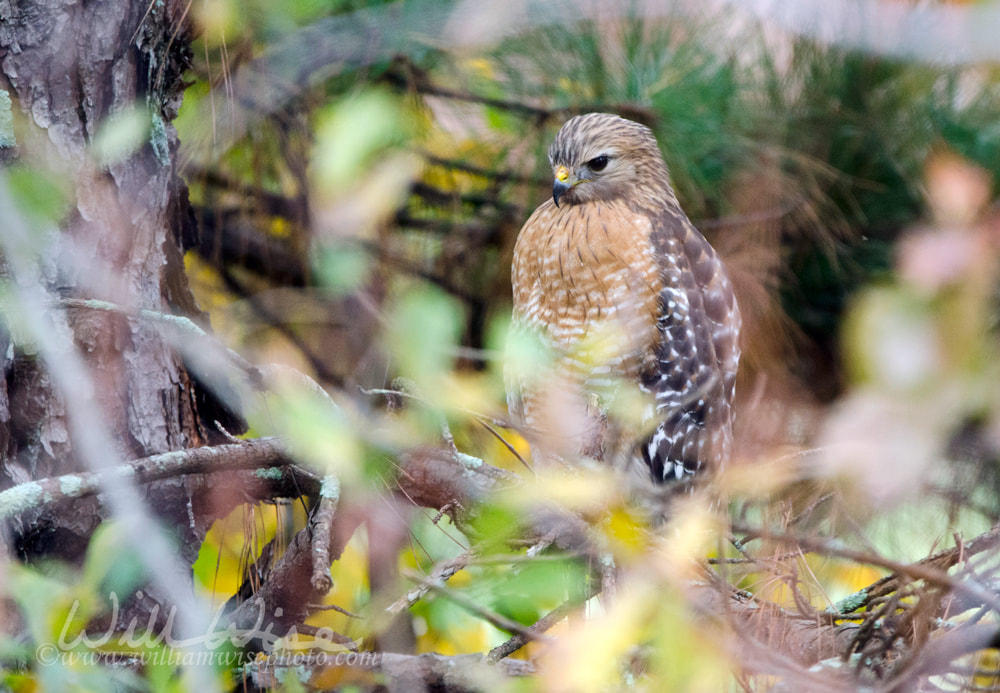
[112, 565]
[43, 197]
[423, 331]
[343, 268]
[121, 135]
[352, 133]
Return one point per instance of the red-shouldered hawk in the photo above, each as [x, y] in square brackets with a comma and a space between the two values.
[621, 288]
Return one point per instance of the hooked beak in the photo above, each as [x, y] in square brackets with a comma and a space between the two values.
[562, 183]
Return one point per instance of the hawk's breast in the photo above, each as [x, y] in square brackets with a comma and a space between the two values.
[586, 278]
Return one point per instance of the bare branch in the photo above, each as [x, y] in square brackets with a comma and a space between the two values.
[540, 626]
[282, 602]
[943, 560]
[400, 672]
[441, 574]
[179, 323]
[332, 607]
[322, 523]
[925, 570]
[262, 453]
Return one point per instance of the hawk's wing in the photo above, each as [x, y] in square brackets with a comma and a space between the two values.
[693, 376]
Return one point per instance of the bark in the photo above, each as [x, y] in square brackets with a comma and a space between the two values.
[68, 68]
[393, 672]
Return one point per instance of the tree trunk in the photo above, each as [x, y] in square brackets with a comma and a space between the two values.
[68, 68]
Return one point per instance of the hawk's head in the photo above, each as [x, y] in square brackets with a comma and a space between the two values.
[600, 156]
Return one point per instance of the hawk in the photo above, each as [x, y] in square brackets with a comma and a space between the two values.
[623, 291]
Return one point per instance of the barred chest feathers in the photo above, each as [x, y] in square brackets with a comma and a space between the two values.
[591, 290]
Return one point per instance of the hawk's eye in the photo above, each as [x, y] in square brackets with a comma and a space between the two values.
[598, 163]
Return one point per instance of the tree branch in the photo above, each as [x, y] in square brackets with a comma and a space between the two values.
[322, 524]
[398, 672]
[441, 574]
[924, 570]
[181, 324]
[540, 626]
[261, 454]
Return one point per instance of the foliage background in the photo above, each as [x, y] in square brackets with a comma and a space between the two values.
[360, 171]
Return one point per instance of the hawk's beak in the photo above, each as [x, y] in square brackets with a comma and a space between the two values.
[562, 183]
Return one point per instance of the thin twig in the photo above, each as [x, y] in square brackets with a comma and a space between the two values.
[488, 615]
[447, 436]
[751, 217]
[508, 559]
[226, 434]
[492, 174]
[924, 570]
[324, 633]
[748, 559]
[809, 509]
[465, 460]
[496, 434]
[333, 607]
[441, 573]
[539, 627]
[177, 322]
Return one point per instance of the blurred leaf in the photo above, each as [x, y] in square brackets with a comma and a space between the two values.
[892, 342]
[42, 196]
[496, 524]
[438, 541]
[352, 133]
[690, 653]
[321, 435]
[590, 490]
[527, 360]
[627, 533]
[957, 191]
[423, 330]
[46, 603]
[219, 19]
[112, 566]
[189, 122]
[459, 632]
[121, 135]
[502, 120]
[526, 593]
[343, 268]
